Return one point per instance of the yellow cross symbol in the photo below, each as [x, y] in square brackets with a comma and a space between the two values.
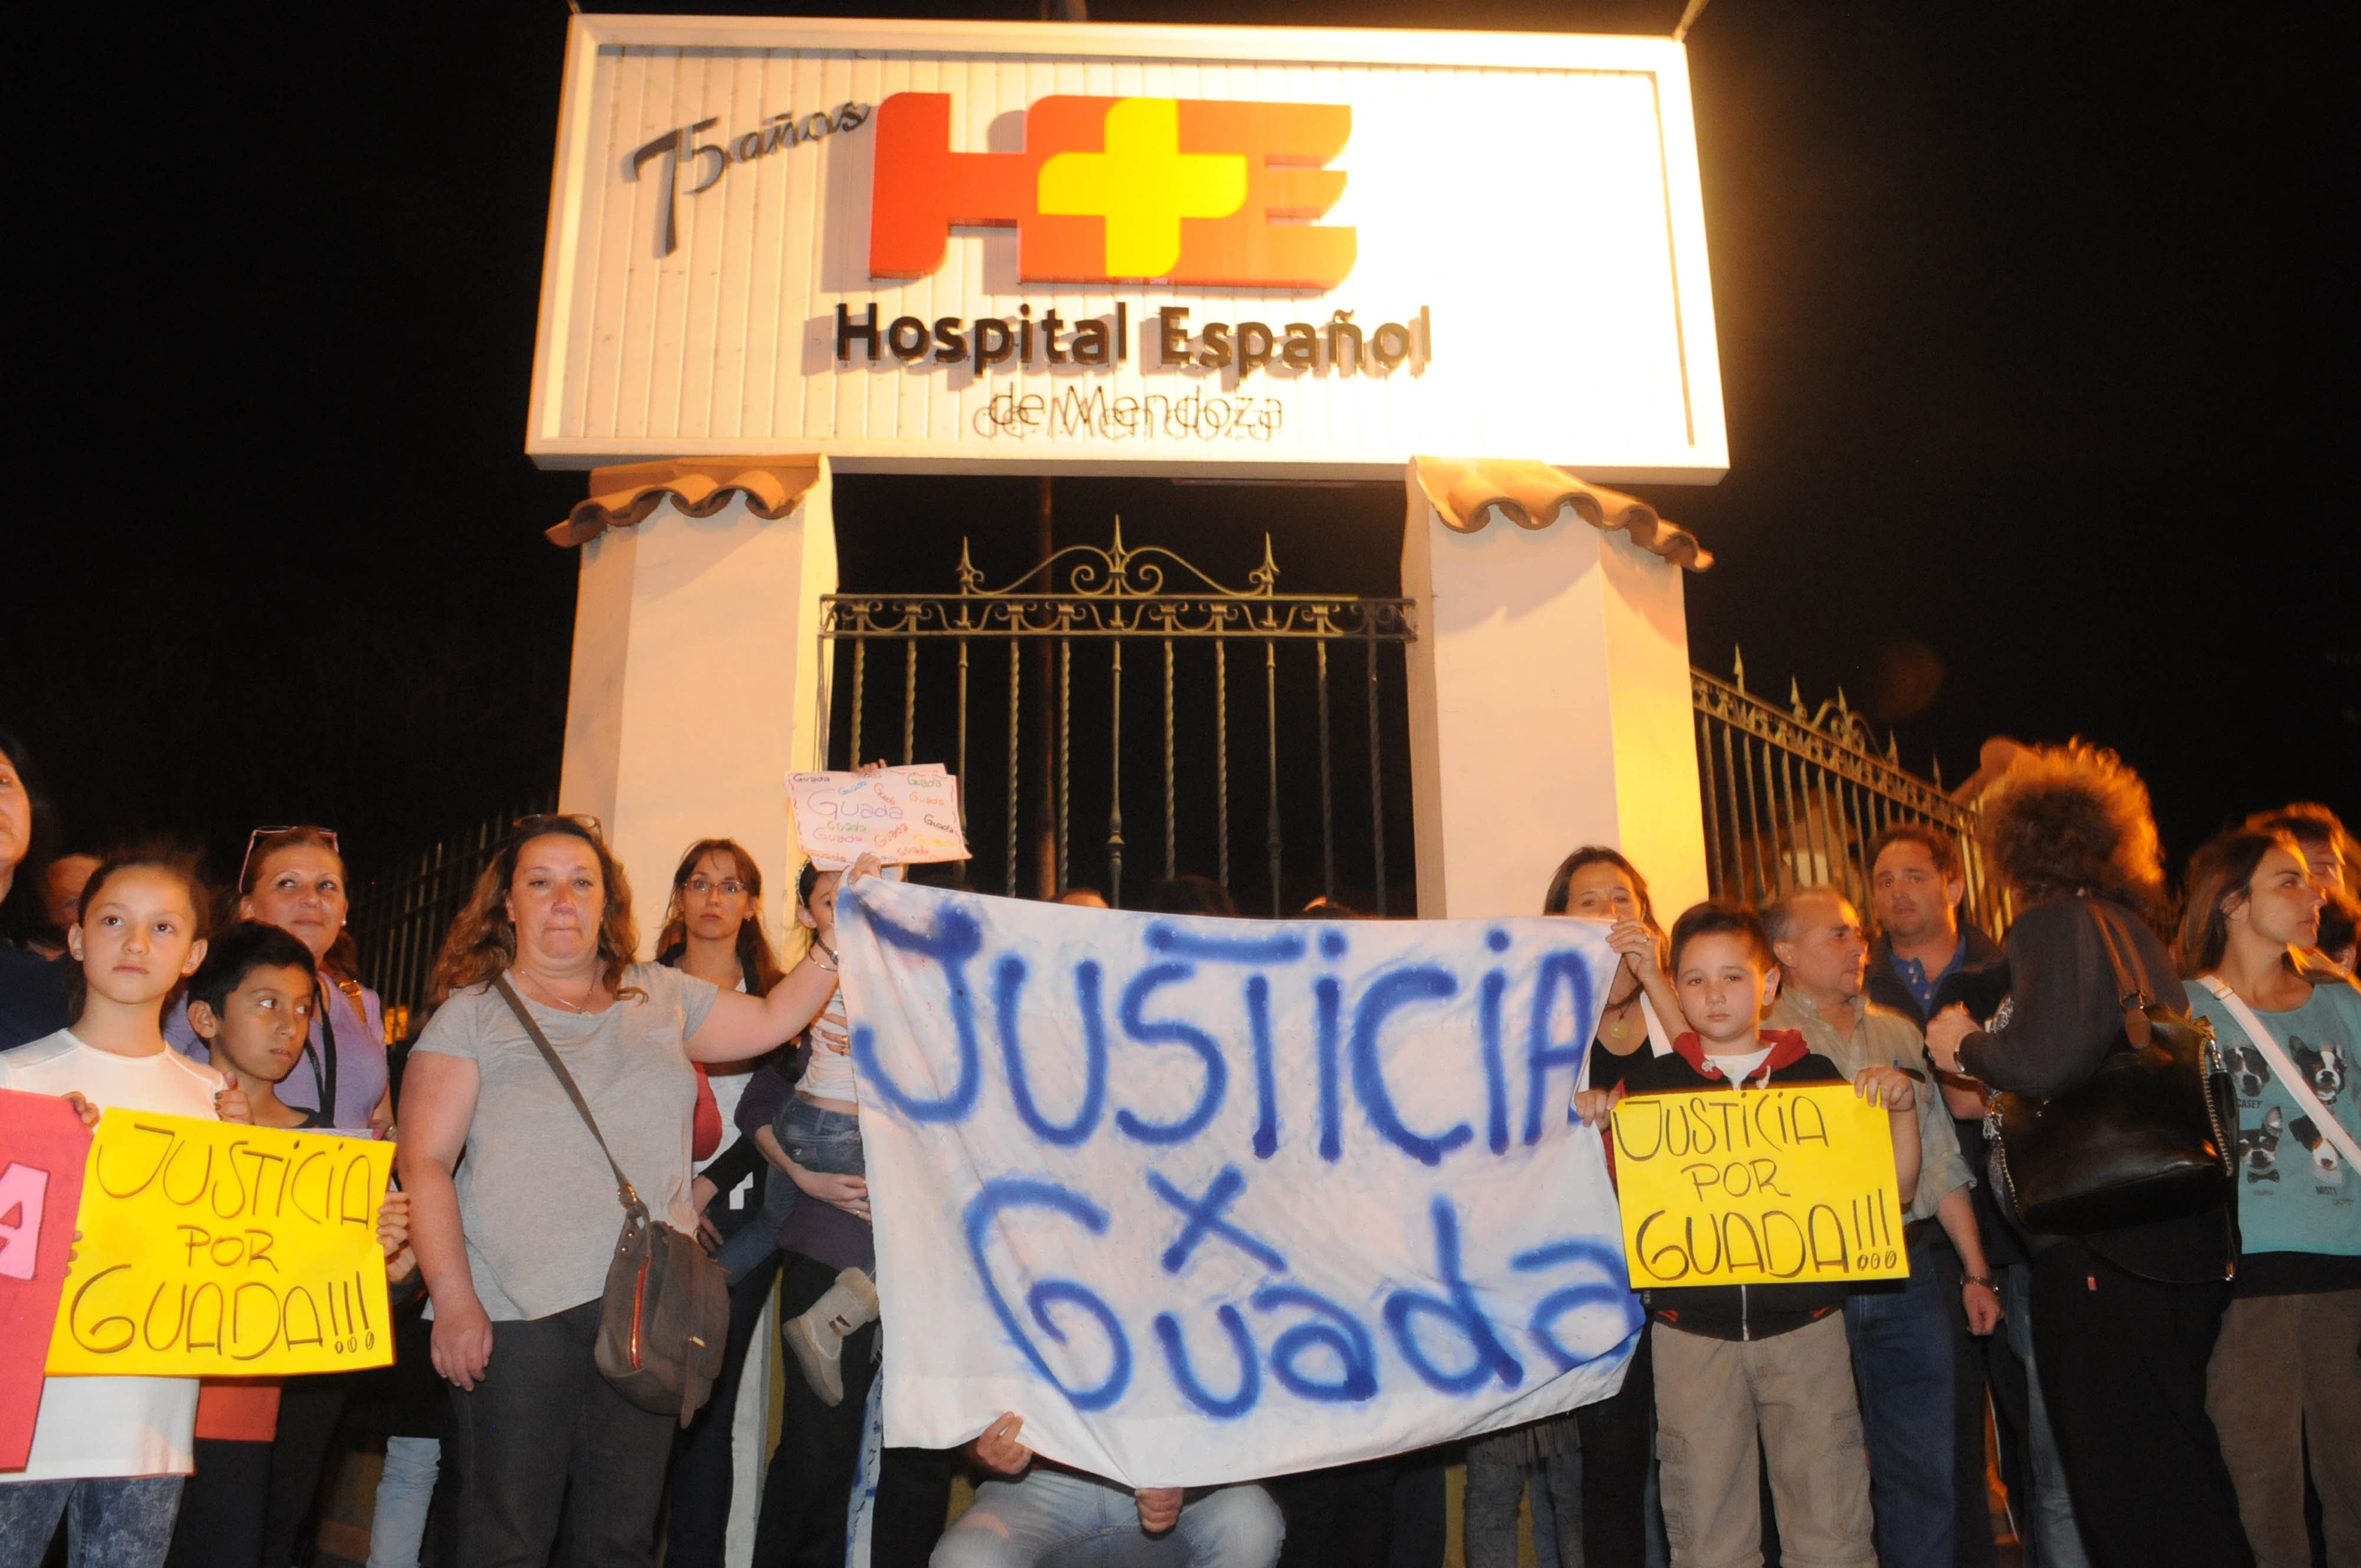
[1143, 184]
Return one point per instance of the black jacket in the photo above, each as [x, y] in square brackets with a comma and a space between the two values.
[2063, 1016]
[1979, 983]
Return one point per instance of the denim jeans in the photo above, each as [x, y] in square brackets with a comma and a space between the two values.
[1500, 1466]
[1085, 1522]
[2054, 1540]
[405, 1493]
[1902, 1361]
[111, 1523]
[818, 1138]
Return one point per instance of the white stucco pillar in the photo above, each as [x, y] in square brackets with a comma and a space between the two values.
[1549, 707]
[694, 690]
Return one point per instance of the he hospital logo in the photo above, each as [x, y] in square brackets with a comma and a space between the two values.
[1121, 189]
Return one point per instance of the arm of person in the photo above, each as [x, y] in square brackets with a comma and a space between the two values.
[393, 1235]
[850, 1193]
[438, 1102]
[2063, 1016]
[380, 1118]
[739, 1026]
[1979, 1294]
[1890, 1088]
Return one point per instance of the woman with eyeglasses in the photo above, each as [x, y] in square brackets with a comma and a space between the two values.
[713, 929]
[513, 1205]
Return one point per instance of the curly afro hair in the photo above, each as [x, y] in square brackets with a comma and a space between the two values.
[2072, 817]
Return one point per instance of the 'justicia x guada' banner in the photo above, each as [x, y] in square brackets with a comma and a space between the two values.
[1210, 1199]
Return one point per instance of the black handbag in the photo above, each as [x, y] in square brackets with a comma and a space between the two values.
[2142, 1139]
[663, 1320]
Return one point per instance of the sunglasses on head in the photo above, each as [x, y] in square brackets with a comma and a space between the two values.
[260, 833]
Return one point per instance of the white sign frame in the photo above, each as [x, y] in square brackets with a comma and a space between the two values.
[1698, 456]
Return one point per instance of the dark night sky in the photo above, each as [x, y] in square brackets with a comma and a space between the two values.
[2033, 327]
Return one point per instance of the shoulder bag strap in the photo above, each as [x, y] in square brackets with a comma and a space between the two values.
[2132, 994]
[2284, 1070]
[328, 1054]
[624, 1192]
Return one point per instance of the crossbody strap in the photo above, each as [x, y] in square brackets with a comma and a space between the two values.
[624, 1192]
[2284, 1070]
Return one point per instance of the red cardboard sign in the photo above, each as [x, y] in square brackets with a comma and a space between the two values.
[42, 1148]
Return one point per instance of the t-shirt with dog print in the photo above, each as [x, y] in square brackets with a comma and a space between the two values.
[2299, 1198]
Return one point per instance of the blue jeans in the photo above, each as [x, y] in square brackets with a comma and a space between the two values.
[814, 1138]
[1902, 1361]
[112, 1523]
[405, 1493]
[1080, 1521]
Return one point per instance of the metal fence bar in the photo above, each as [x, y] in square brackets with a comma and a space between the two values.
[1114, 777]
[1222, 763]
[1015, 658]
[1327, 789]
[1171, 820]
[1270, 771]
[1065, 758]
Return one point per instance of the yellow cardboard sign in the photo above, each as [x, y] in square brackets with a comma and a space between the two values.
[215, 1250]
[1762, 1187]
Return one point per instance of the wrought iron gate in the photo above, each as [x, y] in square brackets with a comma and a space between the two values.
[1093, 608]
[1794, 796]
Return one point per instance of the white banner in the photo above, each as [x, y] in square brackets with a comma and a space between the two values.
[1205, 1200]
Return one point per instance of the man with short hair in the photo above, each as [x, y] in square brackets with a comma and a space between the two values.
[1900, 1331]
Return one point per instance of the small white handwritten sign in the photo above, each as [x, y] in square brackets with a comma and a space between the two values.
[903, 816]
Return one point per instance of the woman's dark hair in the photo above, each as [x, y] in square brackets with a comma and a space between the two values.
[246, 946]
[1561, 884]
[1190, 894]
[2221, 871]
[1717, 917]
[23, 909]
[2340, 918]
[755, 959]
[2313, 827]
[2071, 818]
[483, 939]
[173, 862]
[344, 955]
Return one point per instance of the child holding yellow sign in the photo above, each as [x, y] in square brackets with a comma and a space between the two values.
[1736, 1360]
[111, 1452]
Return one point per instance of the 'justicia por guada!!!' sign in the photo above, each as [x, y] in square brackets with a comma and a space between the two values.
[1210, 1199]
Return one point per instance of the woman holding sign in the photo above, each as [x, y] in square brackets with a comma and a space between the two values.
[514, 1242]
[2124, 1320]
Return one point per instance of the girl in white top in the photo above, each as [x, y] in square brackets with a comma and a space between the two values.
[116, 1449]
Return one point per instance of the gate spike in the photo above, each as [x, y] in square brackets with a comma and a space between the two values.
[1796, 698]
[1939, 772]
[1737, 666]
[969, 579]
[1840, 701]
[1892, 752]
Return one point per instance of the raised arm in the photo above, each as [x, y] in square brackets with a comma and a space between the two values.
[739, 1026]
[438, 1104]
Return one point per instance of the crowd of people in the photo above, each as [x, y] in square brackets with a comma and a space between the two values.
[2184, 1389]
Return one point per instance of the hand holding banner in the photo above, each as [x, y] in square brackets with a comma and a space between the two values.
[903, 816]
[210, 1249]
[1769, 1187]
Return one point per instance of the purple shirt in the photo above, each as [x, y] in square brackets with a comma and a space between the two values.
[360, 1058]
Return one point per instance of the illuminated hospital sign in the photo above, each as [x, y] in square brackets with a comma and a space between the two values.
[956, 247]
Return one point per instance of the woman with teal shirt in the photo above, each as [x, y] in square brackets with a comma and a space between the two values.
[2284, 1384]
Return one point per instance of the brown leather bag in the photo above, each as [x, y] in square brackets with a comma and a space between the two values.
[664, 1318]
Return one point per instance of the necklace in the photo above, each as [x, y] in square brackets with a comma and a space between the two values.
[581, 1008]
[1619, 1013]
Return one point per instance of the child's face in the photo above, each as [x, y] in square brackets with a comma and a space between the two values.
[139, 937]
[262, 1024]
[1724, 986]
[819, 914]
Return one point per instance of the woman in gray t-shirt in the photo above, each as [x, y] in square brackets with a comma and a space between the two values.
[514, 1239]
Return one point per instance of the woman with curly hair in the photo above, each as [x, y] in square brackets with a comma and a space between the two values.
[2124, 1320]
[515, 1243]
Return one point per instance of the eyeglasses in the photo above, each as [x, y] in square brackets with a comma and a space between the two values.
[728, 887]
[539, 820]
[260, 833]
